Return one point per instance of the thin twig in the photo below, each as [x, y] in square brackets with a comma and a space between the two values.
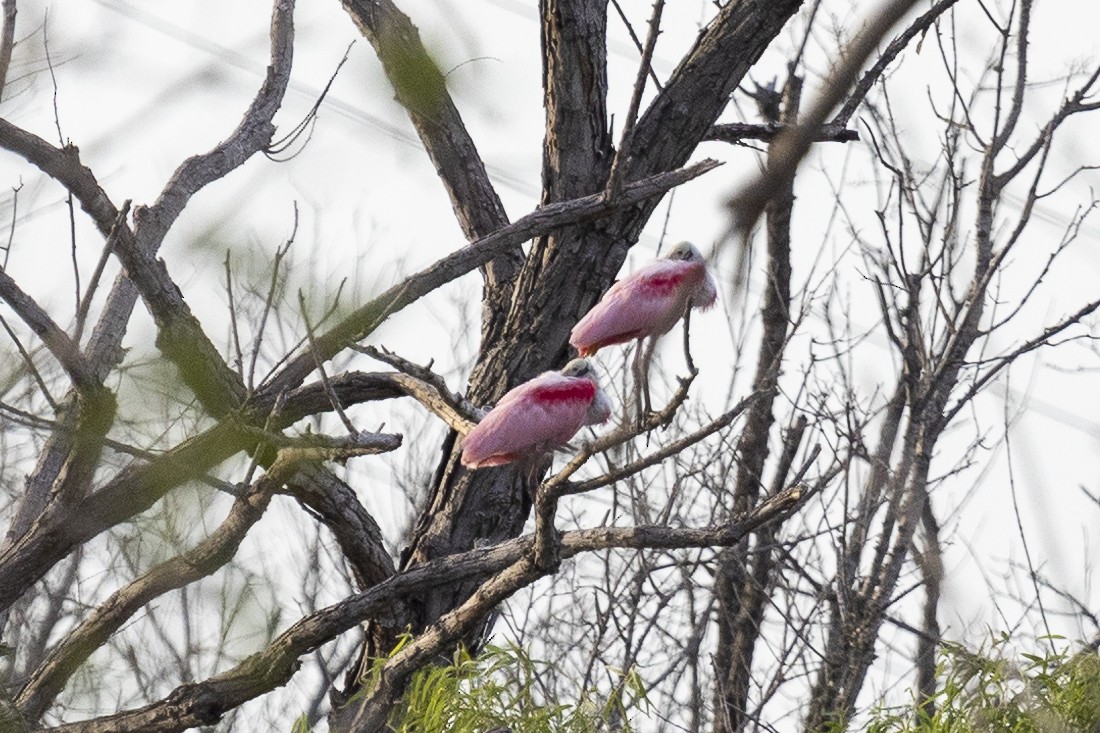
[11, 231]
[238, 355]
[614, 178]
[687, 341]
[559, 482]
[93, 284]
[30, 365]
[559, 485]
[277, 147]
[321, 368]
[269, 301]
[636, 40]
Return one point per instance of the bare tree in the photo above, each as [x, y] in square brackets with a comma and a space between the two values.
[745, 553]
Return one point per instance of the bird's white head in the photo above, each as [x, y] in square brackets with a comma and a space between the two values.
[686, 252]
[579, 368]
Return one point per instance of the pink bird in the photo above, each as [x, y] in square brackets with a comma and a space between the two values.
[537, 416]
[647, 303]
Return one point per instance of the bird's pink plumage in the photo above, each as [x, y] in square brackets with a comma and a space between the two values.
[663, 284]
[647, 303]
[578, 390]
[535, 416]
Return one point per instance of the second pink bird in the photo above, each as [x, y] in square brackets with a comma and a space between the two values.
[647, 303]
[537, 416]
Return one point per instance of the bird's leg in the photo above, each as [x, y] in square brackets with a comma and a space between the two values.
[647, 360]
[687, 342]
[636, 371]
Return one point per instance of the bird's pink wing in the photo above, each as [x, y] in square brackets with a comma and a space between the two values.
[544, 412]
[705, 293]
[646, 303]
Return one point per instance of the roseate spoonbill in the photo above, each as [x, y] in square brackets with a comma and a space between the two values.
[647, 304]
[537, 416]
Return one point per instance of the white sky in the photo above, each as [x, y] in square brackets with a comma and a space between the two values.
[143, 85]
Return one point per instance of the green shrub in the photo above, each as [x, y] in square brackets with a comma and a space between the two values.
[990, 692]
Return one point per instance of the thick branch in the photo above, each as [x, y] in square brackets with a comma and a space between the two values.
[422, 89]
[56, 340]
[180, 336]
[368, 317]
[7, 42]
[743, 574]
[351, 388]
[1001, 136]
[930, 561]
[64, 166]
[253, 134]
[577, 148]
[460, 418]
[736, 132]
[353, 527]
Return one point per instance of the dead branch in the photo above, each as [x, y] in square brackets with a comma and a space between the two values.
[57, 341]
[736, 132]
[859, 91]
[788, 149]
[203, 703]
[103, 350]
[7, 42]
[422, 90]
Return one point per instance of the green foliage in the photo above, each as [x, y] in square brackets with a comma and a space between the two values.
[992, 692]
[499, 688]
[420, 84]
